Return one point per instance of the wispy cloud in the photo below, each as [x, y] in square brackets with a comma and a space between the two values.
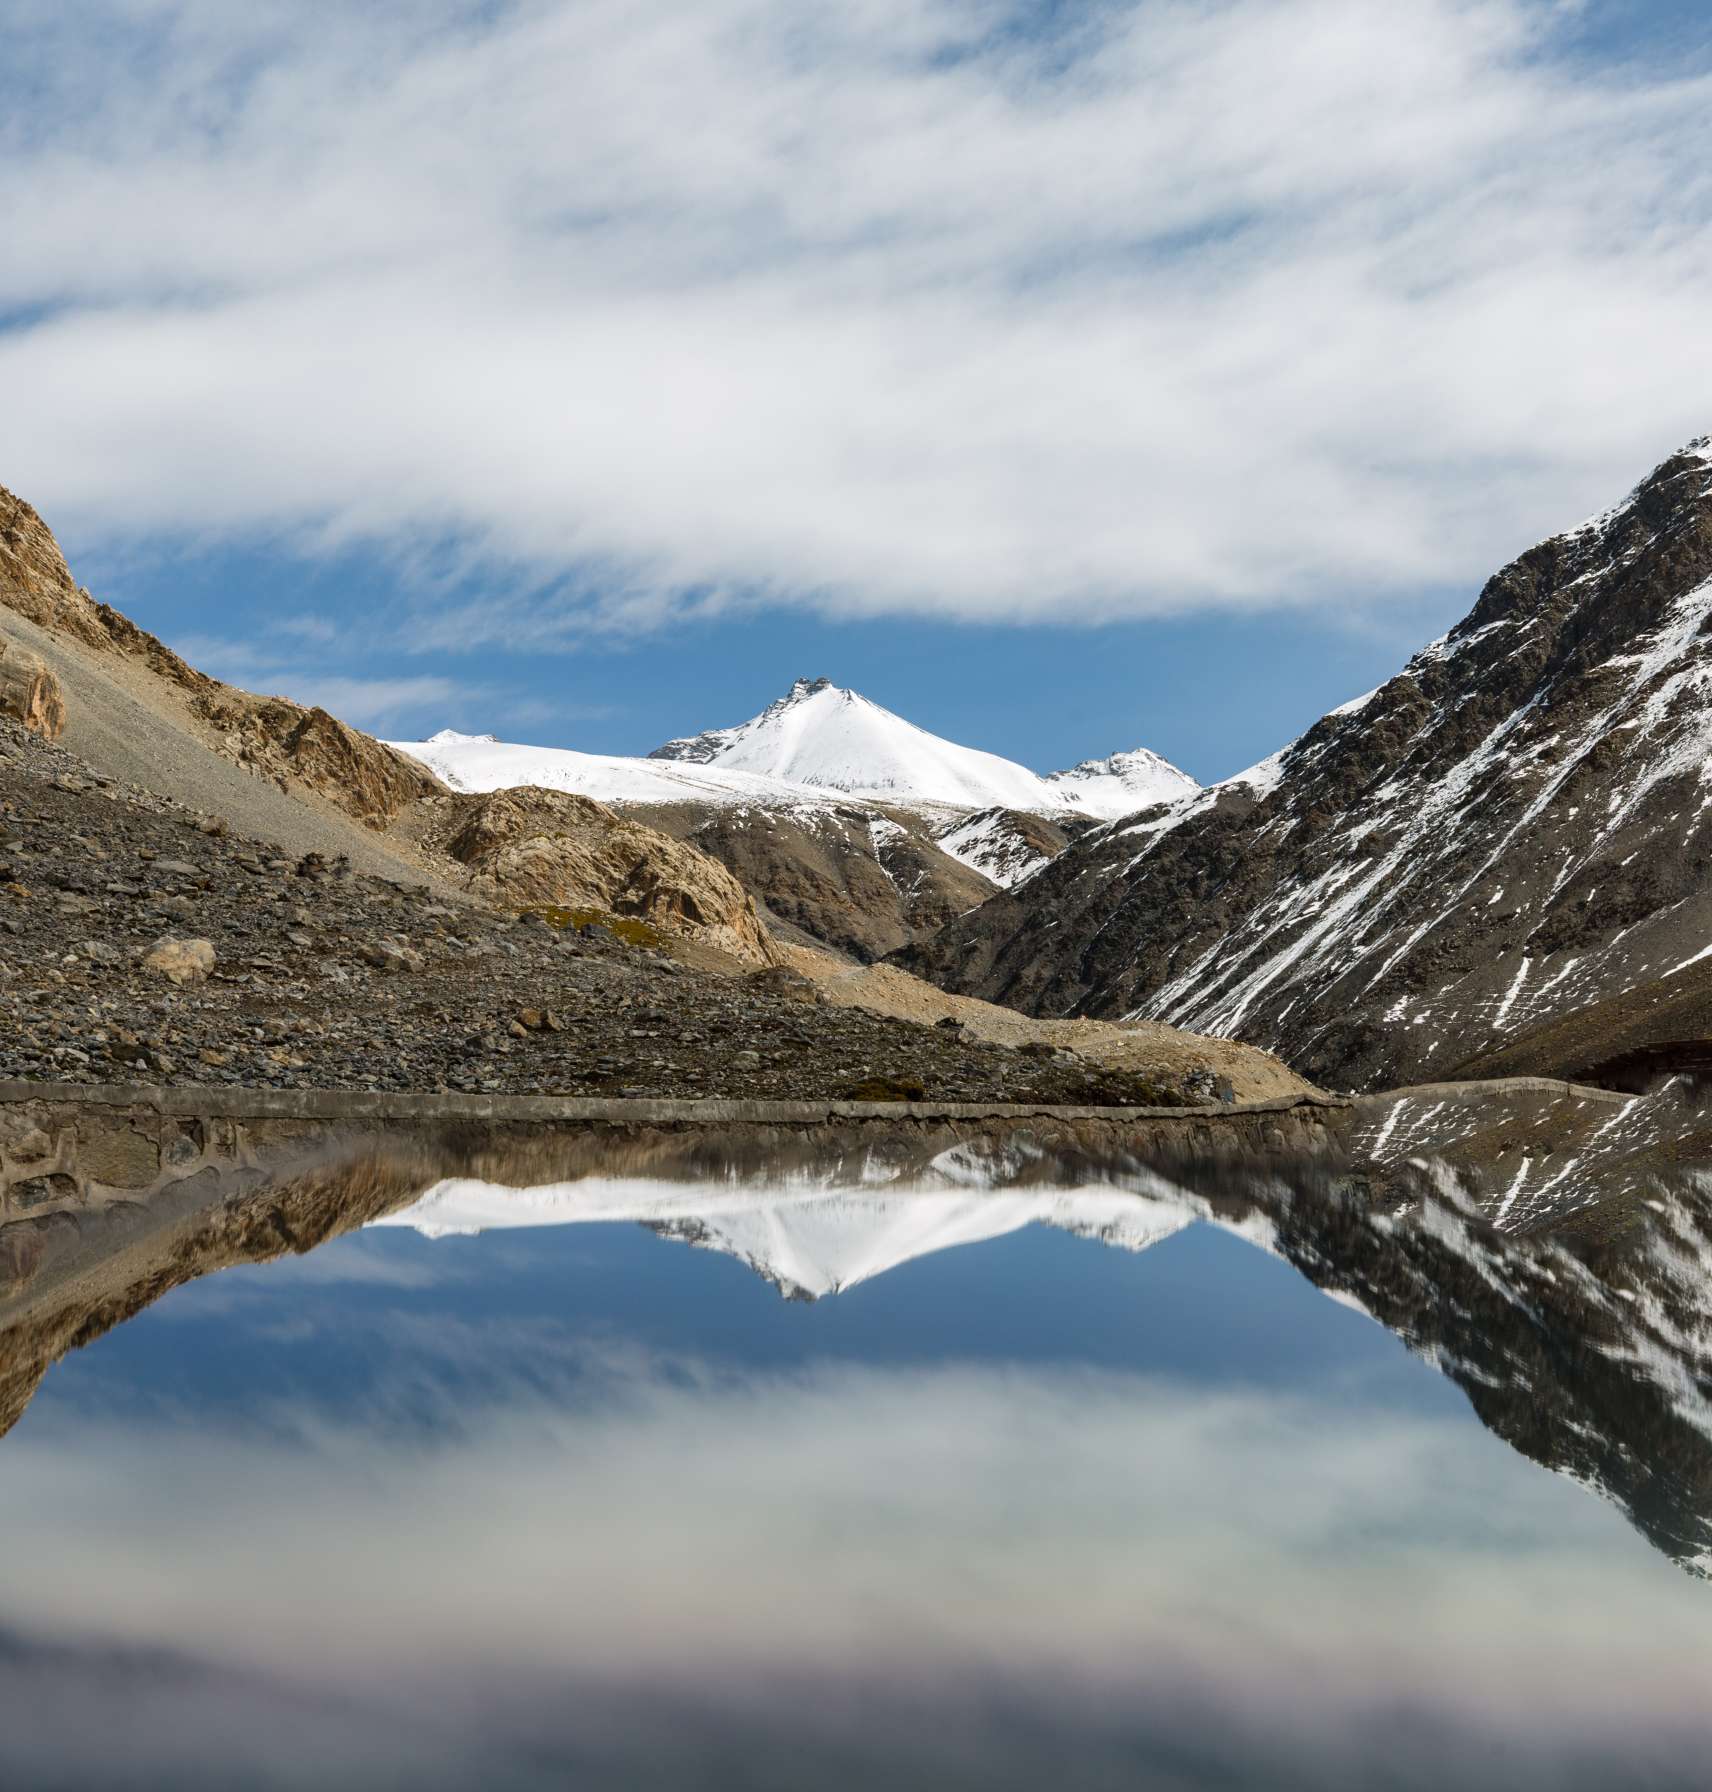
[368, 702]
[900, 305]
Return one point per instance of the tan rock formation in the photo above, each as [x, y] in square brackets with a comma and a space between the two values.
[530, 847]
[29, 692]
[308, 748]
[34, 577]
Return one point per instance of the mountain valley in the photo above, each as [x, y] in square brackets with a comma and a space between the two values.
[1492, 865]
[201, 885]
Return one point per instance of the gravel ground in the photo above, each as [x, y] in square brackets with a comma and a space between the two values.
[1150, 1048]
[324, 976]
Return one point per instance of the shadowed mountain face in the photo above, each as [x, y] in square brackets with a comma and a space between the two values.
[1587, 1346]
[1511, 829]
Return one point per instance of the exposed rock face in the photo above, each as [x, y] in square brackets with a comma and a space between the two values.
[863, 882]
[547, 847]
[1510, 829]
[29, 692]
[34, 578]
[314, 750]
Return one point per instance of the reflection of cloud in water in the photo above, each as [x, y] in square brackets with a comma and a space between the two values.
[1082, 1541]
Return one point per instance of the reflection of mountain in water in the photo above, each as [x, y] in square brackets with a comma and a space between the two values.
[1592, 1356]
[1587, 1347]
[807, 1242]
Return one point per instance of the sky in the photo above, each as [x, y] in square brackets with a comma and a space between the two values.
[1067, 378]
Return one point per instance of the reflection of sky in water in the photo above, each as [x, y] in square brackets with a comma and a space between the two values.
[497, 1510]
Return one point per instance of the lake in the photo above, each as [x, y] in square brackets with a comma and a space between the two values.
[632, 1483]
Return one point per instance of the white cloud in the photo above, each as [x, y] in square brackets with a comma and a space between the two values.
[656, 1522]
[874, 308]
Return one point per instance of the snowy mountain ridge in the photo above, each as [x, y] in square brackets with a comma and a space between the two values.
[479, 762]
[829, 738]
[817, 745]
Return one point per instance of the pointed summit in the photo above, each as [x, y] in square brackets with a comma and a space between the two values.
[824, 736]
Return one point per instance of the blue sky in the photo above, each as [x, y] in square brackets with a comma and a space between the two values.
[1068, 379]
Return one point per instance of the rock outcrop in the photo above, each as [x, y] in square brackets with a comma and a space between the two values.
[526, 848]
[34, 578]
[29, 692]
[311, 750]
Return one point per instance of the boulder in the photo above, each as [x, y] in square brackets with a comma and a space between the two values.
[782, 982]
[180, 961]
[389, 955]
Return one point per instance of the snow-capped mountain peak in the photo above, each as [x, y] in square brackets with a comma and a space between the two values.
[712, 743]
[826, 737]
[1123, 782]
[451, 737]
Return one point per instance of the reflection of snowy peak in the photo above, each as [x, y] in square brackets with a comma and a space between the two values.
[807, 1243]
[1595, 1362]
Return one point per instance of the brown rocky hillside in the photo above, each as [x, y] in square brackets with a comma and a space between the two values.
[131, 707]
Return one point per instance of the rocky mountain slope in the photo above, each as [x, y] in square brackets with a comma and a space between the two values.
[1511, 829]
[144, 942]
[136, 713]
[202, 886]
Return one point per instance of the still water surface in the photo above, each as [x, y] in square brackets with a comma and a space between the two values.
[579, 1504]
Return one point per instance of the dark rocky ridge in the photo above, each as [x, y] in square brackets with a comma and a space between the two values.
[861, 878]
[1509, 830]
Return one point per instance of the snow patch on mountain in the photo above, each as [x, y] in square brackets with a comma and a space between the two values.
[478, 762]
[989, 844]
